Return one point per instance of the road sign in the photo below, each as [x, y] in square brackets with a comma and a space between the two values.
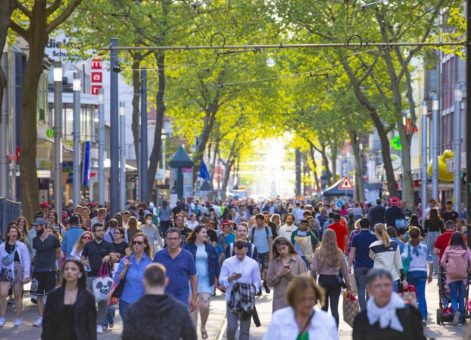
[346, 184]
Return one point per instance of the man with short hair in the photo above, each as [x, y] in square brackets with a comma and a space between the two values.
[274, 231]
[100, 216]
[97, 253]
[449, 214]
[341, 231]
[48, 250]
[239, 269]
[180, 226]
[181, 269]
[126, 217]
[71, 235]
[359, 254]
[262, 238]
[157, 315]
[305, 242]
[242, 234]
[377, 214]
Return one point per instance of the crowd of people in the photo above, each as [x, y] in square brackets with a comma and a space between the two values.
[167, 263]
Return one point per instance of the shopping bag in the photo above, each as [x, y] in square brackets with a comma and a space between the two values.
[353, 283]
[409, 295]
[103, 284]
[351, 308]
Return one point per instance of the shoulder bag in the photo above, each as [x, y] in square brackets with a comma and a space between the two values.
[303, 335]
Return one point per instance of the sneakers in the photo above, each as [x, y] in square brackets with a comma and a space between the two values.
[38, 322]
[2, 321]
[99, 329]
[18, 322]
[456, 318]
[111, 325]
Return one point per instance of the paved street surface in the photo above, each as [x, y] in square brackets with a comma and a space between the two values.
[216, 323]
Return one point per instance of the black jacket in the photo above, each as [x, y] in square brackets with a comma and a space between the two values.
[409, 317]
[392, 214]
[84, 312]
[377, 215]
[158, 317]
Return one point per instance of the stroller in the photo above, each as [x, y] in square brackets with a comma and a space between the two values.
[445, 313]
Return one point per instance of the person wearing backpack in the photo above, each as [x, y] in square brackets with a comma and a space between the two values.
[457, 261]
[418, 258]
[262, 238]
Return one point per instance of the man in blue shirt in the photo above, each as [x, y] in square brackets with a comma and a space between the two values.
[360, 254]
[71, 236]
[180, 267]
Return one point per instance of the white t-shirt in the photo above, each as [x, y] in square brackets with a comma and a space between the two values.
[286, 231]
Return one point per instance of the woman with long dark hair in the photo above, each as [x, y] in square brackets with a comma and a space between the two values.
[457, 260]
[434, 226]
[70, 311]
[285, 265]
[207, 271]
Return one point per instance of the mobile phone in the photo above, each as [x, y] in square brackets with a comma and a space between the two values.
[286, 266]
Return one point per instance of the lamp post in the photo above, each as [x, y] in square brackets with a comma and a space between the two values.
[101, 147]
[58, 137]
[435, 145]
[77, 87]
[423, 135]
[457, 146]
[468, 115]
[122, 160]
[114, 130]
[144, 152]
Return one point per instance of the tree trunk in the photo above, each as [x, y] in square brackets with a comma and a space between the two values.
[136, 84]
[378, 123]
[204, 137]
[6, 9]
[314, 164]
[325, 163]
[359, 187]
[407, 182]
[159, 122]
[227, 174]
[333, 159]
[214, 159]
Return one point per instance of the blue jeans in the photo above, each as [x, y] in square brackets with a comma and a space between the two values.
[360, 277]
[419, 280]
[110, 315]
[123, 307]
[431, 238]
[457, 289]
[396, 285]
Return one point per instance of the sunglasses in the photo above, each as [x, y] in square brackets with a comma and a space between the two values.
[138, 243]
[86, 238]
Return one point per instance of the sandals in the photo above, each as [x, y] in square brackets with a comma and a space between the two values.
[204, 334]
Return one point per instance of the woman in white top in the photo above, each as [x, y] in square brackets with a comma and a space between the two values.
[386, 255]
[300, 320]
[15, 270]
[76, 252]
[193, 222]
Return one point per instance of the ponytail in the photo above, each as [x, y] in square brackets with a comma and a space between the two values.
[381, 230]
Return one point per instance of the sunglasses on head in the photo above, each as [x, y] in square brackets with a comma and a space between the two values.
[86, 238]
[138, 243]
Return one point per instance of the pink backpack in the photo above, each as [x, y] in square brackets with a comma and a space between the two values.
[457, 264]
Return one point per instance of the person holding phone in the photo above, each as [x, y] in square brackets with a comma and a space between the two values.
[284, 266]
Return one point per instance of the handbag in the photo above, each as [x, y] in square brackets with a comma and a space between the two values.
[118, 289]
[409, 295]
[302, 335]
[103, 284]
[400, 223]
[7, 260]
[406, 261]
[351, 308]
[353, 283]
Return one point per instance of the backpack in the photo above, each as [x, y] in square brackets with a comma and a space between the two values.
[252, 232]
[457, 266]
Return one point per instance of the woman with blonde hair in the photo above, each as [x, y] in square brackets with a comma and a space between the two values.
[329, 261]
[132, 228]
[285, 265]
[76, 252]
[386, 254]
[300, 320]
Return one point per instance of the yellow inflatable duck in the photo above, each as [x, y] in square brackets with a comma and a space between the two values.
[443, 173]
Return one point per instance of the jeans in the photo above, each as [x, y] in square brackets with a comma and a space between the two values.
[232, 323]
[123, 307]
[457, 290]
[102, 305]
[396, 285]
[332, 294]
[360, 277]
[431, 238]
[110, 313]
[419, 279]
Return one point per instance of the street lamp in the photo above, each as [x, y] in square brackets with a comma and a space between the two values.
[423, 135]
[122, 160]
[77, 86]
[58, 137]
[435, 145]
[270, 62]
[101, 147]
[457, 146]
[384, 2]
